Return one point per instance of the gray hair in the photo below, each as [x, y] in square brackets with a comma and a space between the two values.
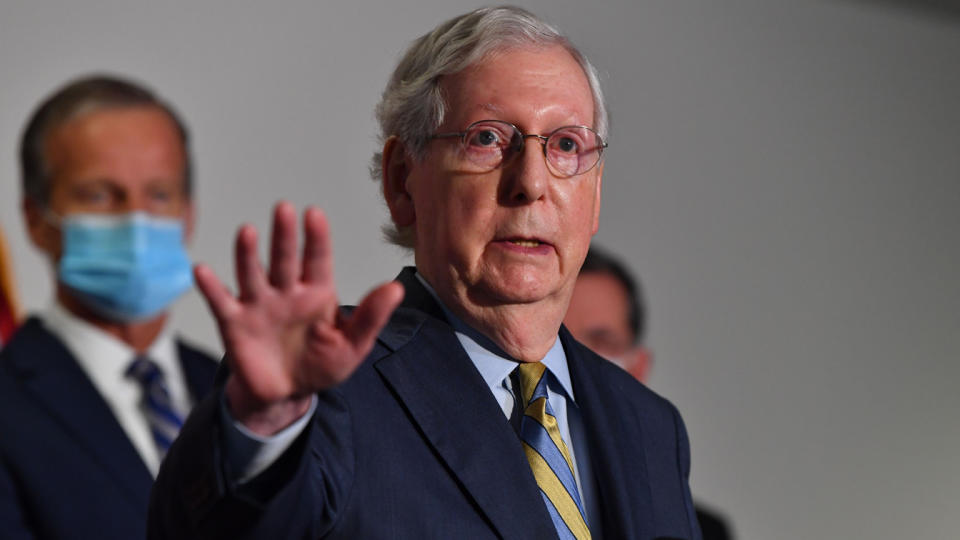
[82, 96]
[412, 106]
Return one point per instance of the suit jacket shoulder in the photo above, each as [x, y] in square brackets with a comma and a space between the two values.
[67, 469]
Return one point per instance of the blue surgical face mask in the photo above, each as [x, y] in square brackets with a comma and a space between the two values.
[125, 267]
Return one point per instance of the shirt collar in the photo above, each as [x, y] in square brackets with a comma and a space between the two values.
[102, 356]
[491, 361]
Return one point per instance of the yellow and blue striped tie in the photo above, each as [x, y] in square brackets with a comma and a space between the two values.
[548, 454]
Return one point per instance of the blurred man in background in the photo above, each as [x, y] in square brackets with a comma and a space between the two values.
[608, 314]
[94, 390]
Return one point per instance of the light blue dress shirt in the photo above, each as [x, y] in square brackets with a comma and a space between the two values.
[495, 367]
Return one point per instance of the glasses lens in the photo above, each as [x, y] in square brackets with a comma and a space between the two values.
[486, 143]
[573, 150]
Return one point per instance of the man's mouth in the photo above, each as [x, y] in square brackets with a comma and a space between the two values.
[522, 242]
[526, 244]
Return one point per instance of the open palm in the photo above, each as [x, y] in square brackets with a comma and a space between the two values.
[284, 334]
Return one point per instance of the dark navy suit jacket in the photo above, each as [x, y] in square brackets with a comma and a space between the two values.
[67, 470]
[414, 445]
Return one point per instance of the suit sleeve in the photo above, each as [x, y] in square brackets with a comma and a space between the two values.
[683, 462]
[298, 496]
[12, 520]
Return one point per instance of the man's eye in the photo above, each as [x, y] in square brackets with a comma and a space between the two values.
[93, 195]
[484, 137]
[567, 145]
[161, 196]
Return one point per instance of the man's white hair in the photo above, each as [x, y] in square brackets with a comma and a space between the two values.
[412, 106]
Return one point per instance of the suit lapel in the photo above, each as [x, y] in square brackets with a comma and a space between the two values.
[620, 470]
[445, 395]
[51, 375]
[198, 369]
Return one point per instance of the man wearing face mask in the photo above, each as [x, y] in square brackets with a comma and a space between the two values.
[94, 390]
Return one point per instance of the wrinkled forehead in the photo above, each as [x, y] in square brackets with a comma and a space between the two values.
[522, 80]
[117, 145]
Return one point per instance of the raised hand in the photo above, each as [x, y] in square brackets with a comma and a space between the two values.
[283, 333]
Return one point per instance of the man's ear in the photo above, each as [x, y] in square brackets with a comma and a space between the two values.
[42, 234]
[596, 206]
[189, 219]
[396, 166]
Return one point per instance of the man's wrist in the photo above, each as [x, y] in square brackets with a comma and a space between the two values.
[247, 453]
[263, 419]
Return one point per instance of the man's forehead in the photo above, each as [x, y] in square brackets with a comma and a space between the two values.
[546, 61]
[101, 143]
[499, 110]
[603, 286]
[489, 107]
[549, 79]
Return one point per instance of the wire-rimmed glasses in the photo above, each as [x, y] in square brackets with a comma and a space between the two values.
[568, 150]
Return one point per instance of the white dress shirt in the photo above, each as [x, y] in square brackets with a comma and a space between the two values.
[105, 360]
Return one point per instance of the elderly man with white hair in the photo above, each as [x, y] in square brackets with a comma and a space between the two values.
[450, 403]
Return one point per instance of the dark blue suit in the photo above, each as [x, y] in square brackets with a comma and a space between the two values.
[414, 445]
[67, 469]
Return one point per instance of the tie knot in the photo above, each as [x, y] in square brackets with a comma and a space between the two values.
[144, 371]
[531, 381]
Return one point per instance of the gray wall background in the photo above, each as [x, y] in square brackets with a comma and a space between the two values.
[783, 175]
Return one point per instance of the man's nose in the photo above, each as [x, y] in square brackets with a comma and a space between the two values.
[140, 201]
[527, 174]
[129, 202]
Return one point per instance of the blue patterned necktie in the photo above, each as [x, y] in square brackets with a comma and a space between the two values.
[164, 421]
[547, 453]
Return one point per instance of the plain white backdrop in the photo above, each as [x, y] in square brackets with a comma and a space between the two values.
[784, 176]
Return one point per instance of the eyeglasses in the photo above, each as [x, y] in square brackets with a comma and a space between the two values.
[568, 150]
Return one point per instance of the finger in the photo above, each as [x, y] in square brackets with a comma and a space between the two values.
[251, 281]
[221, 302]
[283, 246]
[371, 315]
[317, 257]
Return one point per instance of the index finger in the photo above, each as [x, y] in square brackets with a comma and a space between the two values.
[221, 302]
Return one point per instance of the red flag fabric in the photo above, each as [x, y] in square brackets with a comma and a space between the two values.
[9, 309]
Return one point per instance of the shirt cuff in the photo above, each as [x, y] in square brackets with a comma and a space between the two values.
[249, 454]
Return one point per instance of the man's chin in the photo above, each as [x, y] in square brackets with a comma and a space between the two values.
[512, 292]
